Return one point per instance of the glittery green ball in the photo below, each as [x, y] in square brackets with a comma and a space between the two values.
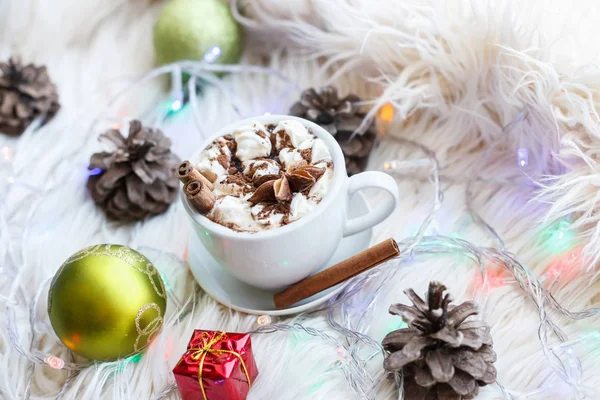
[107, 302]
[187, 29]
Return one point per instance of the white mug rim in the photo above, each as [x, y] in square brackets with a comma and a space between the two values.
[339, 173]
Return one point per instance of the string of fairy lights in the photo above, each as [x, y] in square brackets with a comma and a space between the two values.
[348, 318]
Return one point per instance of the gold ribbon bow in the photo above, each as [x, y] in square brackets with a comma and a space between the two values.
[199, 354]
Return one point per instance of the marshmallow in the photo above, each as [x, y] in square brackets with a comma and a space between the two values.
[321, 187]
[234, 212]
[252, 142]
[288, 156]
[272, 219]
[300, 206]
[320, 152]
[295, 131]
[257, 168]
[223, 188]
[208, 165]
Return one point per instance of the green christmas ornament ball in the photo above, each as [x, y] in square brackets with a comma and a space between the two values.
[107, 302]
[187, 29]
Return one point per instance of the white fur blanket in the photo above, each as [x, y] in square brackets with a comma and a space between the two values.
[474, 82]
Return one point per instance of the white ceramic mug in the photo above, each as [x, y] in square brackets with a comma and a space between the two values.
[279, 257]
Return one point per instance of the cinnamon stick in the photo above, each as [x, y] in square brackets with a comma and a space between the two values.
[337, 273]
[200, 195]
[187, 172]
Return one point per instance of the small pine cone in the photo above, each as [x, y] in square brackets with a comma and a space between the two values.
[138, 179]
[26, 92]
[441, 356]
[340, 117]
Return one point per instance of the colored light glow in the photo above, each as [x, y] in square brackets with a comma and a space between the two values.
[168, 347]
[95, 171]
[341, 352]
[395, 325]
[54, 362]
[316, 386]
[6, 154]
[134, 359]
[186, 253]
[176, 106]
[386, 112]
[263, 320]
[564, 267]
[165, 281]
[496, 277]
[522, 157]
[559, 237]
[69, 343]
[212, 54]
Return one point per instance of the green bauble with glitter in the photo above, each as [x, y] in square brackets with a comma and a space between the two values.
[187, 29]
[107, 302]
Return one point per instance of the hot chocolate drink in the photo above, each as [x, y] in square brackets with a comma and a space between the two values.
[264, 177]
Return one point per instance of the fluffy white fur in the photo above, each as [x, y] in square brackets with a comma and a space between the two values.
[474, 83]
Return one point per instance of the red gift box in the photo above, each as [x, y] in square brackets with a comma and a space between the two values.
[216, 366]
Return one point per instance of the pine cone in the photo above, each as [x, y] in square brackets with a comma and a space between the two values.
[137, 179]
[441, 356]
[341, 117]
[26, 92]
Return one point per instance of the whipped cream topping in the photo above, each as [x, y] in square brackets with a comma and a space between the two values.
[289, 156]
[234, 213]
[252, 142]
[300, 206]
[224, 186]
[259, 168]
[266, 218]
[292, 131]
[320, 152]
[253, 168]
[211, 163]
[321, 187]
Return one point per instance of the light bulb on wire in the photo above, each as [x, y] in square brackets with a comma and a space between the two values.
[212, 54]
[522, 157]
[177, 92]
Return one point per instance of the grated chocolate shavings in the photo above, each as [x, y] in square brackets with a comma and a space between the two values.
[223, 160]
[306, 154]
[236, 163]
[261, 134]
[284, 140]
[239, 179]
[274, 208]
[273, 140]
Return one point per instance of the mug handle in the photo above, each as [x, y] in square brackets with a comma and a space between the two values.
[372, 179]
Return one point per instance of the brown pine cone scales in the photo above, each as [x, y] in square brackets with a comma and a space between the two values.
[441, 356]
[340, 117]
[26, 92]
[138, 179]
